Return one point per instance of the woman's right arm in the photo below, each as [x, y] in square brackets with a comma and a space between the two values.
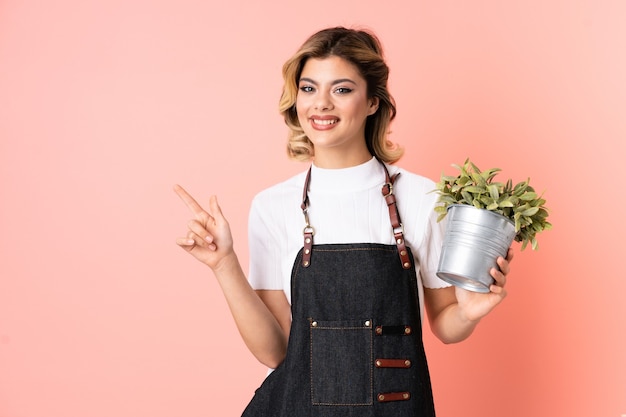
[260, 318]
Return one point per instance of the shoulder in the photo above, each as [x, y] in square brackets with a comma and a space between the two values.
[414, 186]
[410, 176]
[288, 191]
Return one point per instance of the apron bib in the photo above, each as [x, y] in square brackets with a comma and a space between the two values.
[355, 346]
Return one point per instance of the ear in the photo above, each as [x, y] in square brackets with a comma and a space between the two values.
[373, 105]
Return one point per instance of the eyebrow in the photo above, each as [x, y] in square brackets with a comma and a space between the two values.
[339, 81]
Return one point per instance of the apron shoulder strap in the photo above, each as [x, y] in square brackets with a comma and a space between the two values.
[308, 231]
[394, 216]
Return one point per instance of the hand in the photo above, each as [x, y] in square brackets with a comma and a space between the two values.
[476, 305]
[209, 238]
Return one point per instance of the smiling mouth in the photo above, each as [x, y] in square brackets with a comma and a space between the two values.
[324, 122]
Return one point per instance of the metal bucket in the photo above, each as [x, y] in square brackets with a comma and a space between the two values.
[473, 241]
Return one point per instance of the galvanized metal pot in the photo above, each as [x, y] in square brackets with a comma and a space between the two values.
[473, 241]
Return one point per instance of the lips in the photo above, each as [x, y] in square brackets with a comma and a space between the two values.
[323, 122]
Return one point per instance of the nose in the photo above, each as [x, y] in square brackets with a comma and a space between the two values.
[323, 101]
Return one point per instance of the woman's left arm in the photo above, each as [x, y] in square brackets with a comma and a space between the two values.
[453, 312]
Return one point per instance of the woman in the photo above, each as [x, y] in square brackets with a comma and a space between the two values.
[343, 256]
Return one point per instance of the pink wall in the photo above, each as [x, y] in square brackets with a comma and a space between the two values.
[105, 105]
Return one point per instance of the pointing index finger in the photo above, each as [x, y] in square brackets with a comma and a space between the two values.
[189, 200]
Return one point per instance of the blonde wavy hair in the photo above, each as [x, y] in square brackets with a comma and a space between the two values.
[364, 51]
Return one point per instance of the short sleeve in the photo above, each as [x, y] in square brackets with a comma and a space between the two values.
[430, 251]
[264, 249]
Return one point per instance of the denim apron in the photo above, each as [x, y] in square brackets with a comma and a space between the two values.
[355, 346]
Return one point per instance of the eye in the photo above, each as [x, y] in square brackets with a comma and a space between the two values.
[306, 88]
[343, 90]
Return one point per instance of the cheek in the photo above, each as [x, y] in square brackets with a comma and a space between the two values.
[299, 102]
[301, 111]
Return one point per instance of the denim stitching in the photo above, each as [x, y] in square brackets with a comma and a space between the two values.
[370, 362]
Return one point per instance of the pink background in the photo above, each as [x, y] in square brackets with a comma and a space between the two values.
[105, 105]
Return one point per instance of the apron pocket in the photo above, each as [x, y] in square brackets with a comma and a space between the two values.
[341, 362]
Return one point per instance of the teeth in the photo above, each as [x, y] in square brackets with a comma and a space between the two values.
[324, 122]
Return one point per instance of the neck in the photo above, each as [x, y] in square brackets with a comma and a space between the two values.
[338, 160]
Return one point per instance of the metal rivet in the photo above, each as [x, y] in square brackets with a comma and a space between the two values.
[378, 363]
[403, 253]
[367, 323]
[306, 263]
[307, 251]
[405, 395]
[407, 264]
[407, 363]
[381, 397]
[399, 241]
[314, 324]
[379, 330]
[407, 330]
[307, 240]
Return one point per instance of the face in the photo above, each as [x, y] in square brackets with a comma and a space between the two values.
[332, 107]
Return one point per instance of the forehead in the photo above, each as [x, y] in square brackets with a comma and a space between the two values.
[330, 68]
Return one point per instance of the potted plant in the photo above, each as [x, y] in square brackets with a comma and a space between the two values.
[483, 219]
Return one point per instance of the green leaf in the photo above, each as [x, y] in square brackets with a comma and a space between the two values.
[472, 166]
[530, 211]
[475, 189]
[524, 244]
[542, 213]
[446, 199]
[528, 196]
[478, 179]
[490, 174]
[467, 197]
[493, 190]
[520, 188]
[508, 187]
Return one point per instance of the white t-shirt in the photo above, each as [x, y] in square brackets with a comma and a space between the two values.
[345, 206]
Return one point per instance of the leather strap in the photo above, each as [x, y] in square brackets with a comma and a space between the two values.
[394, 216]
[393, 396]
[392, 363]
[308, 231]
